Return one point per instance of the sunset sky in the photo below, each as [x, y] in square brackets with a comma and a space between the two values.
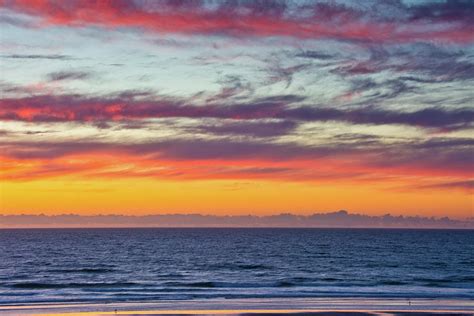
[237, 107]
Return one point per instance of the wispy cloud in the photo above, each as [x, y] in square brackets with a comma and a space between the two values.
[467, 185]
[420, 60]
[38, 56]
[361, 158]
[69, 75]
[252, 128]
[50, 108]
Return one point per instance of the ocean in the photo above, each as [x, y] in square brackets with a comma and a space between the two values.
[153, 264]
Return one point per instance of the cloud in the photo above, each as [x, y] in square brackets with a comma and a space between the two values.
[448, 11]
[252, 128]
[331, 219]
[422, 61]
[466, 185]
[419, 71]
[436, 155]
[232, 86]
[346, 157]
[37, 56]
[311, 54]
[278, 73]
[69, 75]
[447, 22]
[77, 108]
[174, 149]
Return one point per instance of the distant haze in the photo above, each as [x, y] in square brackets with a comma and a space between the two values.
[331, 219]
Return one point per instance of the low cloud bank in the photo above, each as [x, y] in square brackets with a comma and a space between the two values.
[332, 219]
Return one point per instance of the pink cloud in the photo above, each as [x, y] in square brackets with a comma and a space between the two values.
[323, 20]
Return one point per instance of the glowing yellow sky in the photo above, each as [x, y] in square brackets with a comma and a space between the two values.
[142, 196]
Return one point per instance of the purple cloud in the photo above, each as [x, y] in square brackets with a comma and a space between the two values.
[64, 108]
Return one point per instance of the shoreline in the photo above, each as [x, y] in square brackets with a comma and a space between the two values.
[307, 306]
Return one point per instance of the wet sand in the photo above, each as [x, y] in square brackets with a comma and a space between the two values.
[254, 307]
[261, 313]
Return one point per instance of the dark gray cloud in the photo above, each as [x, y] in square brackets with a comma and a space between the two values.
[429, 118]
[280, 73]
[311, 54]
[16, 21]
[447, 11]
[420, 62]
[252, 128]
[69, 75]
[227, 149]
[38, 56]
[233, 86]
[178, 149]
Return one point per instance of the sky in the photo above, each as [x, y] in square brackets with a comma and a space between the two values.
[237, 107]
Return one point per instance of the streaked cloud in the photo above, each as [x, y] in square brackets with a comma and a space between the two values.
[51, 108]
[466, 185]
[69, 75]
[37, 56]
[200, 158]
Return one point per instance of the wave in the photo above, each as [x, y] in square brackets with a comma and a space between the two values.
[83, 270]
[203, 284]
[241, 266]
[444, 282]
[301, 282]
[253, 267]
[39, 285]
[392, 282]
[209, 267]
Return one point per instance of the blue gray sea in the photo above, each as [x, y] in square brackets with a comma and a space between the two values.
[153, 264]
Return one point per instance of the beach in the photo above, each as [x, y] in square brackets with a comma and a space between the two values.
[300, 306]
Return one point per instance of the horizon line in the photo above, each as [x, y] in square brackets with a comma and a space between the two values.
[337, 219]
